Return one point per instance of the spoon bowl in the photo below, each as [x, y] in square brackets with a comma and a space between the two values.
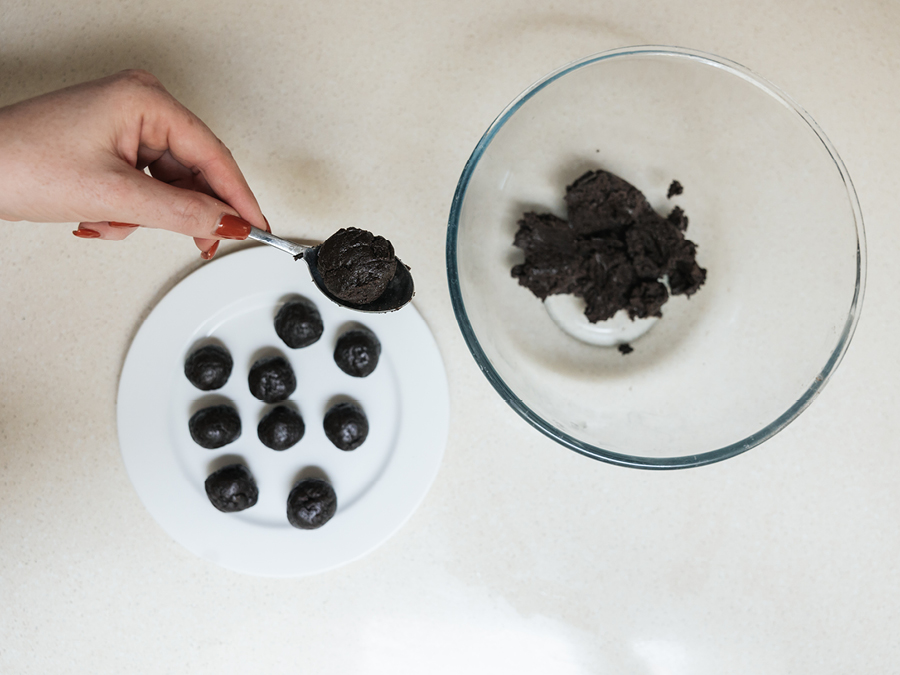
[398, 293]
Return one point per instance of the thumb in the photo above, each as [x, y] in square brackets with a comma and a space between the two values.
[153, 203]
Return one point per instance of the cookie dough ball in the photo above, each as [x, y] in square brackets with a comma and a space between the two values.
[232, 488]
[215, 426]
[209, 367]
[281, 428]
[356, 266]
[311, 504]
[272, 379]
[299, 323]
[346, 426]
[357, 352]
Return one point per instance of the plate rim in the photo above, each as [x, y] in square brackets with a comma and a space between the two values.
[408, 474]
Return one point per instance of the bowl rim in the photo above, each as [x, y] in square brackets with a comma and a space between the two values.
[621, 459]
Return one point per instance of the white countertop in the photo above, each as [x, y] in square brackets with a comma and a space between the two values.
[524, 557]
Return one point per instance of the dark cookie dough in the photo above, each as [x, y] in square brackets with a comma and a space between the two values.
[356, 266]
[675, 188]
[299, 323]
[357, 352]
[232, 488]
[209, 367]
[281, 428]
[272, 379]
[626, 348]
[215, 426]
[614, 251]
[311, 504]
[346, 426]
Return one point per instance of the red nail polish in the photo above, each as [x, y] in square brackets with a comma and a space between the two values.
[206, 255]
[232, 227]
[114, 224]
[85, 233]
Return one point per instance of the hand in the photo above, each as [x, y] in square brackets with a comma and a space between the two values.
[78, 155]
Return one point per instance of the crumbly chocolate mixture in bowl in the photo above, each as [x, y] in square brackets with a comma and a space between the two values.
[614, 251]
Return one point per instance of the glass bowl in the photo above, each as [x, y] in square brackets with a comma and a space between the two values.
[778, 228]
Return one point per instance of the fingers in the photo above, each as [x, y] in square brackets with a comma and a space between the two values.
[118, 231]
[152, 203]
[97, 138]
[208, 247]
[169, 170]
[173, 198]
[105, 230]
[167, 125]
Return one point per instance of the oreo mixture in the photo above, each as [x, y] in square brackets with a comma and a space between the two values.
[357, 352]
[231, 488]
[675, 188]
[272, 379]
[311, 504]
[299, 323]
[356, 266]
[215, 426]
[346, 426]
[281, 428]
[209, 367]
[614, 251]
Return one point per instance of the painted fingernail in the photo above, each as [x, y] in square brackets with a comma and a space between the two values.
[206, 255]
[232, 227]
[85, 233]
[114, 224]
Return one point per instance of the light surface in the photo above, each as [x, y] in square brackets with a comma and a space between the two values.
[780, 561]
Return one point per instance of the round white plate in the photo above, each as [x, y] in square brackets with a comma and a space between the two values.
[233, 302]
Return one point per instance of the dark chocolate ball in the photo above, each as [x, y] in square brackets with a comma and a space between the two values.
[281, 428]
[346, 426]
[272, 379]
[232, 488]
[215, 426]
[299, 323]
[311, 504]
[356, 266]
[209, 367]
[357, 352]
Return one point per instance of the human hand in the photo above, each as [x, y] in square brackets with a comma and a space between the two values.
[78, 155]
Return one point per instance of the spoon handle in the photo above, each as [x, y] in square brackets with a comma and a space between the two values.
[296, 250]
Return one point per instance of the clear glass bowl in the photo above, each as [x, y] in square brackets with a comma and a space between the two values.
[778, 228]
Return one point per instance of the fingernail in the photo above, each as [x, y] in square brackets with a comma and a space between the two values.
[268, 229]
[85, 233]
[114, 224]
[206, 255]
[232, 227]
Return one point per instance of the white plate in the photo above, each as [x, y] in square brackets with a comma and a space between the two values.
[379, 485]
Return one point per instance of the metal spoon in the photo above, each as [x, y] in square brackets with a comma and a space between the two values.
[399, 290]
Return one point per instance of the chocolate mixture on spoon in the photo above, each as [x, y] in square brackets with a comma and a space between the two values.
[356, 265]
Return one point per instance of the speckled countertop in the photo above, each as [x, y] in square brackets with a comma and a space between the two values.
[524, 557]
